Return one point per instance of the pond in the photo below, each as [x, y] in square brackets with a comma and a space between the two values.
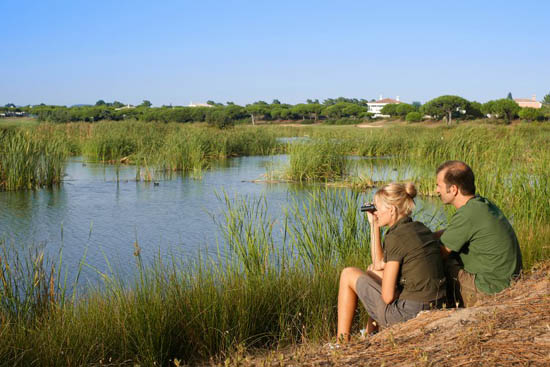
[93, 213]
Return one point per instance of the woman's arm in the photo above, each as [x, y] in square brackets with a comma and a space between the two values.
[376, 252]
[389, 281]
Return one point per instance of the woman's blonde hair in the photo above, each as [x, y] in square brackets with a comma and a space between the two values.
[399, 195]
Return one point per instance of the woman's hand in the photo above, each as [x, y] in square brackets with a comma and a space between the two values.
[373, 220]
[377, 266]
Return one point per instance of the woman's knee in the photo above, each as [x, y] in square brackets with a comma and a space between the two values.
[349, 276]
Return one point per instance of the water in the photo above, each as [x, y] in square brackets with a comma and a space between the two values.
[92, 211]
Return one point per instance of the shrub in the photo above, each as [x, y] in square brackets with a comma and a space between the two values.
[530, 114]
[414, 117]
[343, 121]
[219, 118]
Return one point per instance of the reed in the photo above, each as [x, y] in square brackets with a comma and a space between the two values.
[31, 158]
[275, 281]
[317, 160]
[196, 310]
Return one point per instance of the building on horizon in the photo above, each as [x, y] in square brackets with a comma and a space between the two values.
[199, 105]
[376, 107]
[526, 102]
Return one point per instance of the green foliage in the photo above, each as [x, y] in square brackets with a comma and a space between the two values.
[342, 121]
[390, 109]
[474, 110]
[531, 114]
[502, 108]
[32, 157]
[403, 109]
[261, 294]
[414, 116]
[318, 160]
[445, 106]
[546, 100]
[219, 118]
[258, 111]
[343, 109]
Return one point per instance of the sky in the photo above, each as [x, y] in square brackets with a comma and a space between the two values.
[178, 52]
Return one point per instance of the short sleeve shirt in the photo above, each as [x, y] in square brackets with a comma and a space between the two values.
[421, 275]
[486, 243]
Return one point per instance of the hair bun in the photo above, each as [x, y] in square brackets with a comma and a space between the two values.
[410, 189]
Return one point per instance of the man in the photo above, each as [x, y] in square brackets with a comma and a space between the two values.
[480, 246]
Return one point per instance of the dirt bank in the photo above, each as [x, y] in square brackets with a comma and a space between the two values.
[511, 329]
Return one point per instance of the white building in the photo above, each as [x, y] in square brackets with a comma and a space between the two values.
[376, 107]
[199, 105]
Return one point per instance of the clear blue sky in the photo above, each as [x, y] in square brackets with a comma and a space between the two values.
[68, 52]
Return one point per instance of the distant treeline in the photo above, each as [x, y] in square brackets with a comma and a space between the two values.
[332, 111]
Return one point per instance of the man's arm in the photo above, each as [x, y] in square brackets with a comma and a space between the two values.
[438, 234]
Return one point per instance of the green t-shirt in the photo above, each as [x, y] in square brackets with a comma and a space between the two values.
[486, 244]
[421, 274]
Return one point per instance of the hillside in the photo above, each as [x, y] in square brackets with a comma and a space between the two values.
[512, 329]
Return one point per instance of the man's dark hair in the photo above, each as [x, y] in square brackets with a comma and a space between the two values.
[460, 174]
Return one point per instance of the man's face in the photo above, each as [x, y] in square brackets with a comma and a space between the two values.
[446, 194]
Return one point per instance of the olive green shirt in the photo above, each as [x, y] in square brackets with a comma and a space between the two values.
[486, 244]
[421, 274]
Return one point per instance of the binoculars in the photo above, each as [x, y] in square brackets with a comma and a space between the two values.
[368, 207]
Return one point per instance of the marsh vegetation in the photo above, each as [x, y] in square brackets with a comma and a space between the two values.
[265, 291]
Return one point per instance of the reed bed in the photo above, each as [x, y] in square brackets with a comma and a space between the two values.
[31, 158]
[260, 295]
[264, 293]
[317, 160]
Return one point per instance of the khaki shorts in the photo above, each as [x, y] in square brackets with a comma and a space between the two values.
[462, 286]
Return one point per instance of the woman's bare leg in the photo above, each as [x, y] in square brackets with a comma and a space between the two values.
[347, 301]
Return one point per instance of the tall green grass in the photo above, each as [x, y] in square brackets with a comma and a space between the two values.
[317, 160]
[258, 296]
[278, 283]
[31, 158]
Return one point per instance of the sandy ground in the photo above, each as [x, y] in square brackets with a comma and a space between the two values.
[511, 329]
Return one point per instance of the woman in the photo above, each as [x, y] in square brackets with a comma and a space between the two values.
[406, 276]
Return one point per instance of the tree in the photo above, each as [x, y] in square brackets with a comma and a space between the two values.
[546, 100]
[505, 108]
[353, 110]
[257, 110]
[235, 112]
[414, 116]
[531, 114]
[389, 109]
[276, 101]
[509, 96]
[403, 109]
[146, 103]
[444, 106]
[100, 103]
[474, 110]
[219, 118]
[417, 105]
[117, 104]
